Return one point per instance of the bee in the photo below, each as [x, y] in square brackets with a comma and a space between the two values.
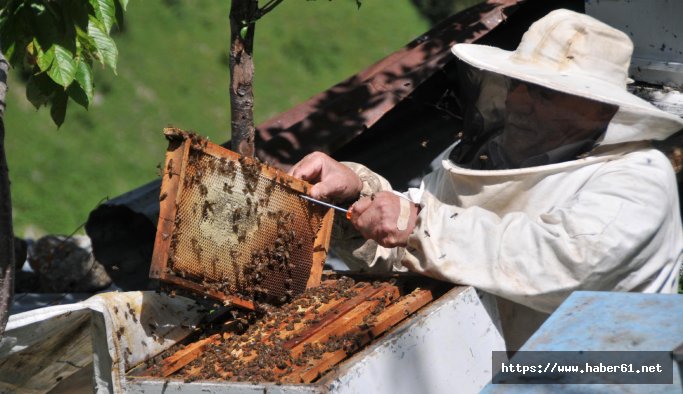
[169, 168]
[236, 215]
[214, 262]
[206, 208]
[269, 188]
[212, 165]
[231, 169]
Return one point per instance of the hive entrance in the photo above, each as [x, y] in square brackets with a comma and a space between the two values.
[233, 228]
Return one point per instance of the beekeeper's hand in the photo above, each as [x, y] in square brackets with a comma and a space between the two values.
[384, 217]
[332, 181]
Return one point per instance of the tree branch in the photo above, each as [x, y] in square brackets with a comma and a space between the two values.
[6, 231]
[268, 7]
[242, 75]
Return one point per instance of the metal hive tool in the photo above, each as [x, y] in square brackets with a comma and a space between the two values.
[235, 229]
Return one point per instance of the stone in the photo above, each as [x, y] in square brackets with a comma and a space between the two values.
[67, 264]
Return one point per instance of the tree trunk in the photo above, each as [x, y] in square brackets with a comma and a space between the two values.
[243, 14]
[6, 232]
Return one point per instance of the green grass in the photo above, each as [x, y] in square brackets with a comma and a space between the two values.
[173, 71]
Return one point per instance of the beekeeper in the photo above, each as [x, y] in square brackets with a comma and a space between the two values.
[554, 186]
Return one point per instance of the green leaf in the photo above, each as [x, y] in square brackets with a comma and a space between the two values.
[124, 4]
[87, 44]
[119, 16]
[44, 59]
[106, 48]
[44, 25]
[105, 11]
[34, 95]
[85, 78]
[82, 92]
[37, 6]
[76, 92]
[63, 69]
[13, 38]
[58, 109]
[8, 34]
[39, 89]
[9, 51]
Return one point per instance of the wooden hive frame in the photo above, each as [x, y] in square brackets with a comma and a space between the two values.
[370, 311]
[178, 169]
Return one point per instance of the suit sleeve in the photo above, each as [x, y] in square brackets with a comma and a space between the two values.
[358, 253]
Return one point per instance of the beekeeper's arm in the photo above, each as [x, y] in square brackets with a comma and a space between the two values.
[344, 183]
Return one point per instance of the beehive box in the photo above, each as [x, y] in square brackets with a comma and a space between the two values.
[235, 229]
[300, 341]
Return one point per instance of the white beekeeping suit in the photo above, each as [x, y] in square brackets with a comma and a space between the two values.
[531, 233]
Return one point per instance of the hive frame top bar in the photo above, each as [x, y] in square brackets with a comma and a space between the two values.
[183, 157]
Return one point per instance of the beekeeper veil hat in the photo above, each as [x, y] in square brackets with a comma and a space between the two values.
[577, 54]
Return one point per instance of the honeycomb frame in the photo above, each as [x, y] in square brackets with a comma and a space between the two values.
[235, 229]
